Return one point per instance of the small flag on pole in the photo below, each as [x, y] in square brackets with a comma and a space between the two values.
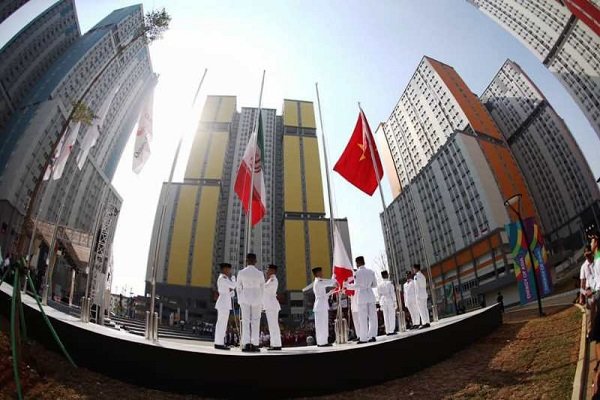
[64, 149]
[143, 137]
[252, 161]
[358, 161]
[342, 266]
[93, 132]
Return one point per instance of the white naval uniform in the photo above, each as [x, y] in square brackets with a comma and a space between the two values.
[355, 313]
[387, 302]
[272, 307]
[421, 296]
[364, 282]
[250, 287]
[410, 300]
[225, 288]
[321, 309]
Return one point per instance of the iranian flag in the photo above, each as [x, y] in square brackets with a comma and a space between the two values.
[342, 267]
[252, 165]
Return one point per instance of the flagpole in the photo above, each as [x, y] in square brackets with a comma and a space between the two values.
[255, 133]
[434, 309]
[386, 222]
[151, 322]
[339, 331]
[331, 216]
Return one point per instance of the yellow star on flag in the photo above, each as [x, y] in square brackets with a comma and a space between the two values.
[363, 147]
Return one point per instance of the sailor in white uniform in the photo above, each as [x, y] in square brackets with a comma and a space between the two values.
[271, 306]
[387, 302]
[420, 283]
[250, 288]
[354, 308]
[225, 286]
[321, 307]
[410, 300]
[364, 283]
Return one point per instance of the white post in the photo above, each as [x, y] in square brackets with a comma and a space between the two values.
[248, 244]
[72, 287]
[340, 323]
[164, 200]
[387, 227]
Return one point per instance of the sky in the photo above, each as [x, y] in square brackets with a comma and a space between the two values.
[356, 51]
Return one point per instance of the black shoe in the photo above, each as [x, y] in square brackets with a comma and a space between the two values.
[221, 347]
[392, 334]
[274, 348]
[255, 349]
[415, 327]
[360, 342]
[248, 348]
[372, 340]
[424, 326]
[325, 345]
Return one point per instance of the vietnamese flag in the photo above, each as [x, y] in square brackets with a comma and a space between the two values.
[252, 164]
[357, 162]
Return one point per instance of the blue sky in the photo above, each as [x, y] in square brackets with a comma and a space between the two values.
[356, 50]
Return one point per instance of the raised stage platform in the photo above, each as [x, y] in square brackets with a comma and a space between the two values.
[196, 367]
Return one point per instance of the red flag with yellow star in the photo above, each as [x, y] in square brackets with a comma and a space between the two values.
[360, 158]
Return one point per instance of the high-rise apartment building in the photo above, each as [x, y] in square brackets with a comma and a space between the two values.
[31, 52]
[204, 223]
[115, 97]
[8, 7]
[562, 185]
[453, 171]
[564, 36]
[44, 70]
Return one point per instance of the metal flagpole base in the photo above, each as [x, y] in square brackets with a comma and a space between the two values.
[341, 331]
[401, 321]
[148, 326]
[434, 311]
[154, 331]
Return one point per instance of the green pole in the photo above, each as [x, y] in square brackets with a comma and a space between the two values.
[13, 334]
[54, 334]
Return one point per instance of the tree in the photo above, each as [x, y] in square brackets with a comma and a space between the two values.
[156, 22]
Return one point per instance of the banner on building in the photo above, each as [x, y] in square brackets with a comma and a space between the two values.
[522, 262]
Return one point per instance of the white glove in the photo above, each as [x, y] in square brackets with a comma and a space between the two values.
[232, 293]
[233, 278]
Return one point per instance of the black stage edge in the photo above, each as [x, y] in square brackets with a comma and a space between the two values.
[269, 375]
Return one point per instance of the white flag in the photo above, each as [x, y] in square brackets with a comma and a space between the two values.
[89, 140]
[92, 134]
[65, 150]
[141, 150]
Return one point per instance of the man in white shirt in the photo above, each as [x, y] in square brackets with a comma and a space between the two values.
[354, 308]
[586, 274]
[421, 295]
[364, 283]
[225, 287]
[271, 306]
[410, 300]
[250, 288]
[387, 302]
[321, 306]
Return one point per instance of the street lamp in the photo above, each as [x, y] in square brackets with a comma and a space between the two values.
[514, 203]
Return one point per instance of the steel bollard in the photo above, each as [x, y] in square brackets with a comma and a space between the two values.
[82, 313]
[155, 327]
[148, 327]
[341, 331]
[401, 320]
